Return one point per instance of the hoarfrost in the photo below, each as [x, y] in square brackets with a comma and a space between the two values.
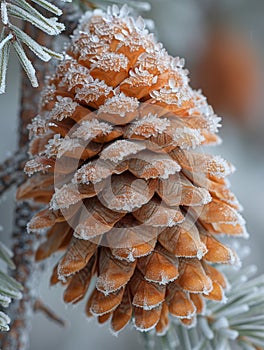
[47, 94]
[119, 104]
[75, 75]
[109, 61]
[58, 146]
[89, 129]
[121, 149]
[93, 90]
[92, 172]
[38, 127]
[33, 166]
[149, 125]
[187, 138]
[64, 197]
[64, 108]
[219, 167]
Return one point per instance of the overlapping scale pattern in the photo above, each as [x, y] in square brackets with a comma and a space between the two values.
[132, 200]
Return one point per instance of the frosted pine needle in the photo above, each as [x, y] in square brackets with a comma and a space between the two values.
[9, 288]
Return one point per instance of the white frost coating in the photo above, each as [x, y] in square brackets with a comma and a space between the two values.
[109, 61]
[127, 202]
[47, 94]
[120, 150]
[202, 107]
[89, 129]
[64, 197]
[146, 306]
[92, 173]
[86, 45]
[38, 127]
[140, 77]
[93, 90]
[6, 39]
[68, 145]
[76, 74]
[5, 300]
[201, 253]
[4, 15]
[149, 125]
[219, 167]
[166, 168]
[175, 96]
[58, 146]
[53, 146]
[33, 166]
[154, 59]
[205, 196]
[165, 280]
[26, 63]
[64, 108]
[119, 104]
[107, 286]
[187, 138]
[138, 328]
[4, 317]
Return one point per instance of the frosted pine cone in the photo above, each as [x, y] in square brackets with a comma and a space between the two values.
[130, 200]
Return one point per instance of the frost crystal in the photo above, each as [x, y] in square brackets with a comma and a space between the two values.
[149, 125]
[219, 167]
[187, 138]
[38, 127]
[34, 165]
[110, 61]
[75, 75]
[92, 91]
[47, 94]
[58, 146]
[172, 95]
[119, 104]
[140, 77]
[158, 61]
[91, 173]
[89, 129]
[119, 150]
[64, 197]
[64, 108]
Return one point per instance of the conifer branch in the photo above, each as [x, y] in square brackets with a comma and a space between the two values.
[12, 35]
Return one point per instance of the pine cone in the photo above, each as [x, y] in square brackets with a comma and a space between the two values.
[129, 200]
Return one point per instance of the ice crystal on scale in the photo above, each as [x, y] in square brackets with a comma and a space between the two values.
[144, 208]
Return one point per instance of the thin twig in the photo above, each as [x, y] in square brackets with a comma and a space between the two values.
[10, 170]
[39, 306]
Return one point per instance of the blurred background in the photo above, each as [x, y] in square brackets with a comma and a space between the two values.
[223, 44]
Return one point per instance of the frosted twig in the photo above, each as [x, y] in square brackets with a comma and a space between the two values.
[10, 170]
[39, 306]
